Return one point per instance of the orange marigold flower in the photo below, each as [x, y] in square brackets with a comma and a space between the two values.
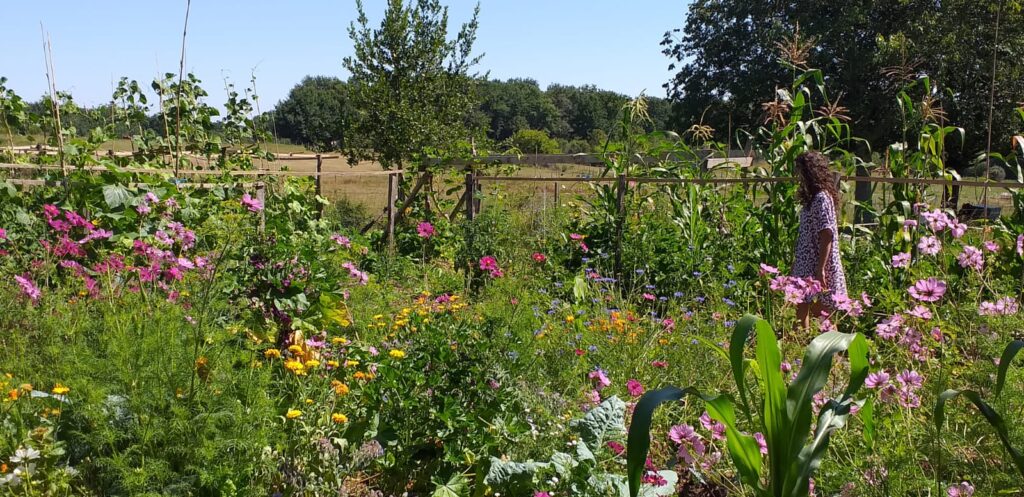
[272, 353]
[339, 418]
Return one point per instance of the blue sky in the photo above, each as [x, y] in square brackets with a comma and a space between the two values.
[613, 44]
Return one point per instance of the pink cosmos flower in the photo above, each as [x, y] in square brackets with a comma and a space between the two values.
[356, 274]
[594, 397]
[910, 379]
[616, 447]
[901, 259]
[488, 263]
[910, 223]
[539, 493]
[957, 229]
[971, 258]
[1020, 245]
[29, 288]
[539, 257]
[425, 230]
[929, 245]
[659, 364]
[648, 297]
[920, 312]
[717, 429]
[3, 234]
[877, 380]
[765, 269]
[762, 444]
[599, 378]
[635, 388]
[250, 203]
[928, 290]
[937, 220]
[991, 246]
[936, 334]
[691, 445]
[889, 327]
[342, 240]
[1003, 307]
[576, 236]
[962, 489]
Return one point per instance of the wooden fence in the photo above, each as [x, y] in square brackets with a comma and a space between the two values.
[470, 199]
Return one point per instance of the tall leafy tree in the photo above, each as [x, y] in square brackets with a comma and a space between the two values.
[410, 83]
[316, 113]
[727, 57]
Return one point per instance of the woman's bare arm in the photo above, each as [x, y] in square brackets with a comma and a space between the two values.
[824, 253]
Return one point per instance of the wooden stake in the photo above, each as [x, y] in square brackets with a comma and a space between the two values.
[620, 202]
[51, 80]
[392, 180]
[181, 77]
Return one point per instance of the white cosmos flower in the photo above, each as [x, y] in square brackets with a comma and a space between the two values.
[24, 455]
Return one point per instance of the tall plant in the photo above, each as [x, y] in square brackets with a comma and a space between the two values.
[784, 413]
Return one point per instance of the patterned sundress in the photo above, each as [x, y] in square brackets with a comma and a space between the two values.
[821, 215]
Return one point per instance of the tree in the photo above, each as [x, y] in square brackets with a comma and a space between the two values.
[514, 105]
[531, 141]
[410, 84]
[729, 51]
[315, 114]
[584, 109]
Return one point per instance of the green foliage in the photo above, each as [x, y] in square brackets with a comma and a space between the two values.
[410, 83]
[529, 141]
[868, 50]
[783, 412]
[316, 113]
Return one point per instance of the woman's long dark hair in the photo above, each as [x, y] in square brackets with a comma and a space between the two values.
[815, 176]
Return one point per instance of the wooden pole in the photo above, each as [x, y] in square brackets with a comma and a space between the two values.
[620, 201]
[556, 196]
[261, 196]
[320, 186]
[391, 212]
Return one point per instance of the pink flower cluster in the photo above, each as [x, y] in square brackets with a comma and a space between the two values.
[796, 290]
[66, 226]
[634, 387]
[690, 445]
[29, 288]
[360, 276]
[971, 258]
[342, 240]
[962, 489]
[903, 390]
[150, 201]
[576, 237]
[901, 260]
[939, 221]
[1002, 307]
[599, 378]
[895, 328]
[853, 307]
[490, 265]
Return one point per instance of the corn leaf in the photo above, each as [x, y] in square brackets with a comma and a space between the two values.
[987, 412]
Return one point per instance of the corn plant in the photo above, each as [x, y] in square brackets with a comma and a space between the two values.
[990, 414]
[785, 412]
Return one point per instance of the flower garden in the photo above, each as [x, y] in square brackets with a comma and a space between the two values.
[162, 340]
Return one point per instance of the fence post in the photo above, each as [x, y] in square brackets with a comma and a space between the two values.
[620, 201]
[471, 205]
[319, 186]
[391, 212]
[556, 196]
[261, 196]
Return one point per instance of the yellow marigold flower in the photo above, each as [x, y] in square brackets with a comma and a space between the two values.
[339, 341]
[570, 318]
[293, 413]
[59, 389]
[345, 323]
[339, 418]
[351, 364]
[332, 363]
[378, 317]
[397, 354]
[340, 388]
[295, 349]
[294, 366]
[26, 387]
[272, 353]
[309, 401]
[312, 363]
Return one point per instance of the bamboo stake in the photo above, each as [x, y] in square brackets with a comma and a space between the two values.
[991, 107]
[181, 76]
[51, 81]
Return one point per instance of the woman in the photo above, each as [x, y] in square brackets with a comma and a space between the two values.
[817, 246]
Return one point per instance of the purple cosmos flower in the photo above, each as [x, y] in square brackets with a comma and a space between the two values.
[901, 259]
[928, 290]
[929, 245]
[971, 258]
[425, 230]
[250, 203]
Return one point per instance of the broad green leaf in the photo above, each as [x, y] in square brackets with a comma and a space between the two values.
[775, 414]
[1004, 363]
[737, 344]
[987, 412]
[115, 195]
[457, 486]
[601, 422]
[867, 416]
